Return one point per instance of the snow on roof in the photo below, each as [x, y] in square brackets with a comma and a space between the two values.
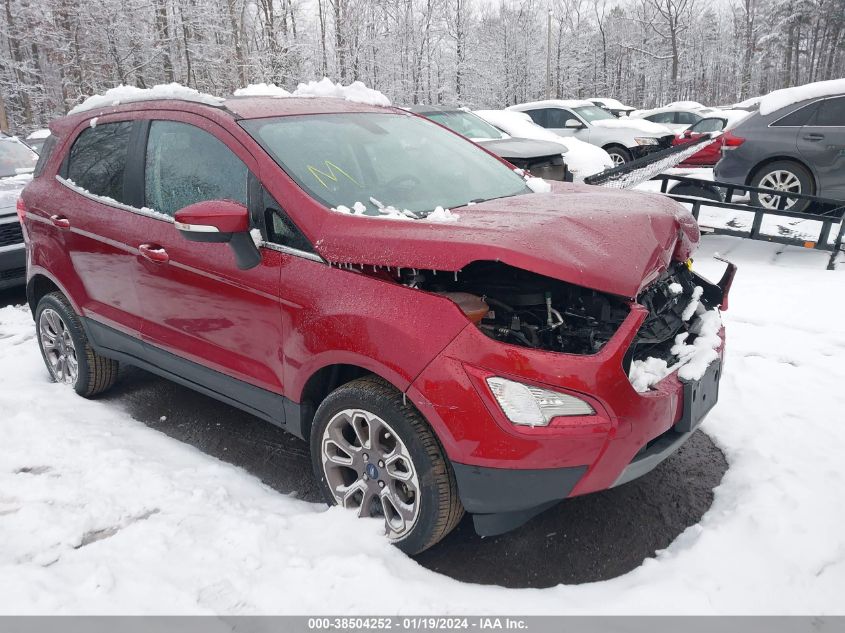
[787, 96]
[693, 105]
[131, 94]
[613, 104]
[261, 90]
[356, 92]
[748, 103]
[37, 134]
[561, 103]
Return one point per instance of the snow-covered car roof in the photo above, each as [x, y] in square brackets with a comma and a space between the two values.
[38, 134]
[311, 97]
[694, 105]
[551, 103]
[778, 99]
[609, 102]
[702, 111]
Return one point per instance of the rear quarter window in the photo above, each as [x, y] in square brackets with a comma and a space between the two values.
[97, 160]
[44, 156]
[799, 117]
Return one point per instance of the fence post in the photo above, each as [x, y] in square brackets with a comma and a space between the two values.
[757, 224]
[837, 245]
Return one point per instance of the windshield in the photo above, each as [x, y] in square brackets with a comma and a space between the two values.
[383, 160]
[466, 124]
[15, 158]
[593, 113]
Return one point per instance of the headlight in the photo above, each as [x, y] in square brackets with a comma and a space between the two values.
[531, 406]
[646, 140]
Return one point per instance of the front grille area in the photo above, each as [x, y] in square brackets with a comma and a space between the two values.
[10, 233]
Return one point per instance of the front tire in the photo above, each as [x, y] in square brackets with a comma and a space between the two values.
[66, 351]
[782, 175]
[375, 454]
[618, 154]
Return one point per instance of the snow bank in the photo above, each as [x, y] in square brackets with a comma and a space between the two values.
[582, 159]
[778, 99]
[39, 134]
[131, 94]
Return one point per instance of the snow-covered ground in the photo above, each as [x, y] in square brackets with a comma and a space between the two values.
[101, 514]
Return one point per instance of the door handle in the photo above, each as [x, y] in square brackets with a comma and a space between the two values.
[154, 253]
[60, 221]
[813, 137]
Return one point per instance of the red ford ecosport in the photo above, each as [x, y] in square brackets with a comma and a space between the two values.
[446, 338]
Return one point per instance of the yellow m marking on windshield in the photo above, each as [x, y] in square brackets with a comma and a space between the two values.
[331, 174]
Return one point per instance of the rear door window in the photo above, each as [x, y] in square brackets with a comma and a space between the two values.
[185, 164]
[831, 113]
[97, 160]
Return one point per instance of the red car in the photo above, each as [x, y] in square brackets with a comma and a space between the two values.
[712, 152]
[446, 339]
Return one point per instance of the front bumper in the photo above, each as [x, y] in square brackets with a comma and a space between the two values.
[507, 474]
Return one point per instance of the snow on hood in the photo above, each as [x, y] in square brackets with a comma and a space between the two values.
[639, 125]
[778, 99]
[609, 240]
[131, 94]
[10, 191]
[38, 134]
[356, 92]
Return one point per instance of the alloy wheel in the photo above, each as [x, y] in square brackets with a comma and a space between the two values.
[58, 347]
[369, 469]
[779, 180]
[617, 159]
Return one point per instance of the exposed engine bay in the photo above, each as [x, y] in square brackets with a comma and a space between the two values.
[523, 308]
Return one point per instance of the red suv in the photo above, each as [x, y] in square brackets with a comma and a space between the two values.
[447, 339]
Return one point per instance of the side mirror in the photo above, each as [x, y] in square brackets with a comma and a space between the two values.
[220, 221]
[687, 134]
[573, 124]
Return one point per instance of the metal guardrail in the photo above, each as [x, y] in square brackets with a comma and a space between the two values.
[827, 211]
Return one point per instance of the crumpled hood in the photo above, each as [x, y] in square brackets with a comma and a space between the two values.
[608, 240]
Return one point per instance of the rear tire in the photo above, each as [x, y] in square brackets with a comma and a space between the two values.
[782, 175]
[618, 154]
[66, 351]
[374, 453]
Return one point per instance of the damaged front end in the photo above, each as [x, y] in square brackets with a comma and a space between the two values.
[530, 310]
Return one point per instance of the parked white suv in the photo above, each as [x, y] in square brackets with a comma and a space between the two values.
[623, 139]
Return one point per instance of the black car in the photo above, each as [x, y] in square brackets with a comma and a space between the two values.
[542, 158]
[797, 148]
